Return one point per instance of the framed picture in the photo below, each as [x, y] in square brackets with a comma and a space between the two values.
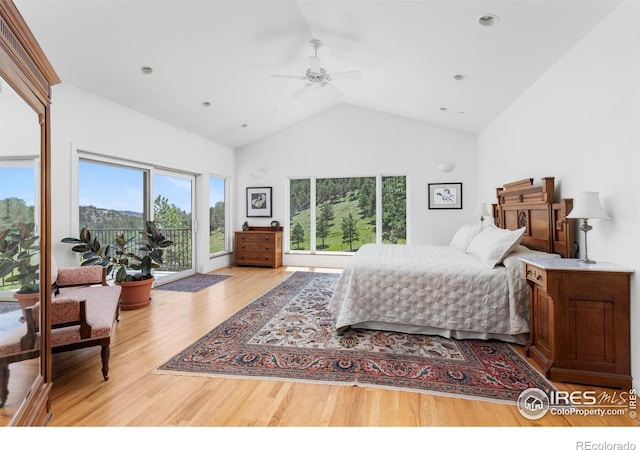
[445, 195]
[258, 202]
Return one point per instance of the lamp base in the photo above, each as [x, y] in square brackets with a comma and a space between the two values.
[587, 261]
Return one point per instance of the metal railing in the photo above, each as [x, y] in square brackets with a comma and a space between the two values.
[177, 257]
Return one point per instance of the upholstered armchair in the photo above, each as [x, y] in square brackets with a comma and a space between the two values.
[83, 311]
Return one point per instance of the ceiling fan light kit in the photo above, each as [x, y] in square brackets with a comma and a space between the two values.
[316, 75]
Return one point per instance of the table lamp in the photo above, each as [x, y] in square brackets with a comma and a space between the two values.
[482, 210]
[587, 206]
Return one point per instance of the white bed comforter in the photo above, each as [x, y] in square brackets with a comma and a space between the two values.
[434, 290]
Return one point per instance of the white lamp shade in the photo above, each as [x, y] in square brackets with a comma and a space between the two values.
[482, 210]
[587, 206]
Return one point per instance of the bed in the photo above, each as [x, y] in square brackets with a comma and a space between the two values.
[472, 288]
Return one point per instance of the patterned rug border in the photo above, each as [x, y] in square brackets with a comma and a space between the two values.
[200, 371]
[193, 283]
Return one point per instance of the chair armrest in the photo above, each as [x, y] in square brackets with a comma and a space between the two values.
[81, 276]
[67, 312]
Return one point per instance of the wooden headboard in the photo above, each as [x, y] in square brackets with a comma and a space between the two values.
[525, 204]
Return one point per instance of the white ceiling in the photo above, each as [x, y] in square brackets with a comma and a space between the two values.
[224, 52]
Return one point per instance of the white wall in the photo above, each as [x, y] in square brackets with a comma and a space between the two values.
[351, 141]
[82, 120]
[580, 123]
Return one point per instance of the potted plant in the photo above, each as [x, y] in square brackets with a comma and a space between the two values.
[19, 250]
[133, 271]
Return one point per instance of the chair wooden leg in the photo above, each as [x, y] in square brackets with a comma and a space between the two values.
[104, 353]
[4, 383]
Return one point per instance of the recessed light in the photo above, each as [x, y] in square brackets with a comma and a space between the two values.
[146, 70]
[461, 112]
[244, 125]
[488, 20]
[443, 109]
[206, 104]
[460, 77]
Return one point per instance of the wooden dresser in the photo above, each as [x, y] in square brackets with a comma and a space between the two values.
[259, 246]
[579, 321]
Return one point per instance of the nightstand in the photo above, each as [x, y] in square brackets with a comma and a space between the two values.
[579, 321]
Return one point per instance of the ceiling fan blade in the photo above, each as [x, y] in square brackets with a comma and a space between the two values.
[314, 64]
[297, 77]
[302, 90]
[334, 89]
[351, 74]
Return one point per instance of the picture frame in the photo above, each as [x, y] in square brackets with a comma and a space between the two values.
[445, 195]
[259, 202]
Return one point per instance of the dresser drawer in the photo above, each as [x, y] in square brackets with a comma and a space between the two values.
[536, 275]
[255, 237]
[244, 257]
[256, 246]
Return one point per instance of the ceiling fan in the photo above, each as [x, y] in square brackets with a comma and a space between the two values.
[317, 75]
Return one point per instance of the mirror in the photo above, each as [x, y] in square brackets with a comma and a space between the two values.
[19, 248]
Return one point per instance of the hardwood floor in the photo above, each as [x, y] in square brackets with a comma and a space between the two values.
[136, 396]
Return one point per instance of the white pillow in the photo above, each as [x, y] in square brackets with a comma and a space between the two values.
[493, 244]
[464, 236]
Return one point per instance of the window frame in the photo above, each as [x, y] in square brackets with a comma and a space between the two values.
[312, 211]
[227, 221]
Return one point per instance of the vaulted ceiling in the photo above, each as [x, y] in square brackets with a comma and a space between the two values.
[212, 60]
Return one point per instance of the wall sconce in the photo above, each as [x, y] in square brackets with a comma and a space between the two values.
[445, 167]
[587, 206]
[481, 211]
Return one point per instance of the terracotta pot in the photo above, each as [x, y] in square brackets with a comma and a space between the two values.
[27, 300]
[135, 294]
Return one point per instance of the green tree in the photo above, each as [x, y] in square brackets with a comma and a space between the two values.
[367, 197]
[216, 217]
[168, 215]
[324, 222]
[14, 210]
[349, 231]
[300, 195]
[394, 209]
[297, 235]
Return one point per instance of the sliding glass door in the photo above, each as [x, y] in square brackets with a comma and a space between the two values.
[173, 213]
[139, 194]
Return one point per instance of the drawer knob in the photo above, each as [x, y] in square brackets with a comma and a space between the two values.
[539, 277]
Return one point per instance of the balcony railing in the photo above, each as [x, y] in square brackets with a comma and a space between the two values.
[177, 257]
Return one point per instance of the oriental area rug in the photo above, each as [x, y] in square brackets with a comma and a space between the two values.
[8, 306]
[289, 334]
[193, 283]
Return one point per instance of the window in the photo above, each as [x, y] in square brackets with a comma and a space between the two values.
[109, 211]
[217, 215]
[348, 213]
[18, 200]
[172, 206]
[17, 194]
[139, 194]
[394, 210]
[300, 222]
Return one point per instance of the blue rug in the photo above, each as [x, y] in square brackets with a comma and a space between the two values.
[193, 283]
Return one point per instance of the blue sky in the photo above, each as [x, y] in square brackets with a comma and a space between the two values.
[126, 188]
[110, 187]
[18, 182]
